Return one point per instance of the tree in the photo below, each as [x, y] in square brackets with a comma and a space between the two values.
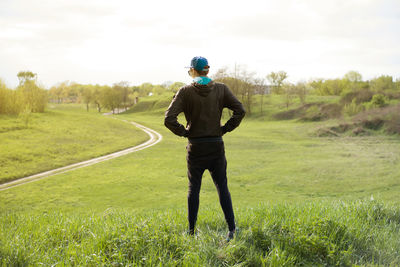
[330, 87]
[98, 97]
[24, 76]
[34, 97]
[145, 89]
[382, 83]
[260, 87]
[353, 76]
[277, 79]
[4, 95]
[158, 89]
[240, 82]
[289, 90]
[353, 80]
[112, 98]
[300, 89]
[123, 90]
[175, 86]
[246, 87]
[87, 95]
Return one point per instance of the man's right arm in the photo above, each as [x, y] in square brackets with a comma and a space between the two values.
[171, 115]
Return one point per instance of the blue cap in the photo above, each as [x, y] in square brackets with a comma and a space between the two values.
[199, 63]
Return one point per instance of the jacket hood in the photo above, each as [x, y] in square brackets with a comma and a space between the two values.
[203, 89]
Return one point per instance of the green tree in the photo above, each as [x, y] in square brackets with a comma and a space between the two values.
[276, 79]
[330, 87]
[353, 80]
[25, 76]
[34, 97]
[158, 89]
[87, 95]
[145, 89]
[112, 97]
[3, 97]
[300, 89]
[353, 76]
[123, 90]
[382, 83]
[97, 96]
[175, 86]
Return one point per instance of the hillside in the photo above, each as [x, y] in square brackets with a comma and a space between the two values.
[300, 199]
[62, 135]
[343, 116]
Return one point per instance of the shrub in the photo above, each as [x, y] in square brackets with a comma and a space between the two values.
[359, 97]
[353, 108]
[379, 100]
[332, 110]
[393, 121]
[373, 124]
[313, 114]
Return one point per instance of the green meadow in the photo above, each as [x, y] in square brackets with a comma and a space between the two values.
[300, 199]
[63, 135]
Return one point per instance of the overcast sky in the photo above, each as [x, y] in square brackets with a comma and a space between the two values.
[152, 41]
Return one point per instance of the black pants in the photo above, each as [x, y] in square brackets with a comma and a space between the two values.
[201, 156]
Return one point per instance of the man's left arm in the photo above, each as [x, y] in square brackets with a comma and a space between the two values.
[233, 104]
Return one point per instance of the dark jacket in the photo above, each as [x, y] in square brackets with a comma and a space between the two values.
[202, 106]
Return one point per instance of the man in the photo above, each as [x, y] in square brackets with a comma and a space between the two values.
[202, 103]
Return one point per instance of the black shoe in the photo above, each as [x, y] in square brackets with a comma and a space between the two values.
[190, 232]
[231, 235]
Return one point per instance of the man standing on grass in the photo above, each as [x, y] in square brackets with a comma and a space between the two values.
[202, 103]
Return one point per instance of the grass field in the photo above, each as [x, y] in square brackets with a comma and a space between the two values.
[63, 135]
[299, 199]
[267, 161]
[307, 234]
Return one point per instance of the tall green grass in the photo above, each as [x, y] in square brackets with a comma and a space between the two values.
[309, 234]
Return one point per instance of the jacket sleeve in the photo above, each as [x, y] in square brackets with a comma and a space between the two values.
[171, 115]
[231, 102]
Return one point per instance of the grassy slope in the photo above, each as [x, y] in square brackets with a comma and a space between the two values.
[62, 135]
[269, 162]
[312, 234]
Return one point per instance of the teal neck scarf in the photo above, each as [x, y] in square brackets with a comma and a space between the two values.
[202, 80]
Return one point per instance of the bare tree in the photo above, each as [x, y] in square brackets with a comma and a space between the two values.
[260, 89]
[246, 88]
[288, 90]
[300, 89]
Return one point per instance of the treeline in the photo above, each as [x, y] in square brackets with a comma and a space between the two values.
[118, 96]
[30, 97]
[26, 98]
[356, 94]
[351, 88]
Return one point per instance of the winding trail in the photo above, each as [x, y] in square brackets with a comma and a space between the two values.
[155, 138]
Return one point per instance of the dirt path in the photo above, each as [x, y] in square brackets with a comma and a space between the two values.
[155, 137]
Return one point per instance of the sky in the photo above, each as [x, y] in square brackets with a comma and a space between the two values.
[105, 42]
